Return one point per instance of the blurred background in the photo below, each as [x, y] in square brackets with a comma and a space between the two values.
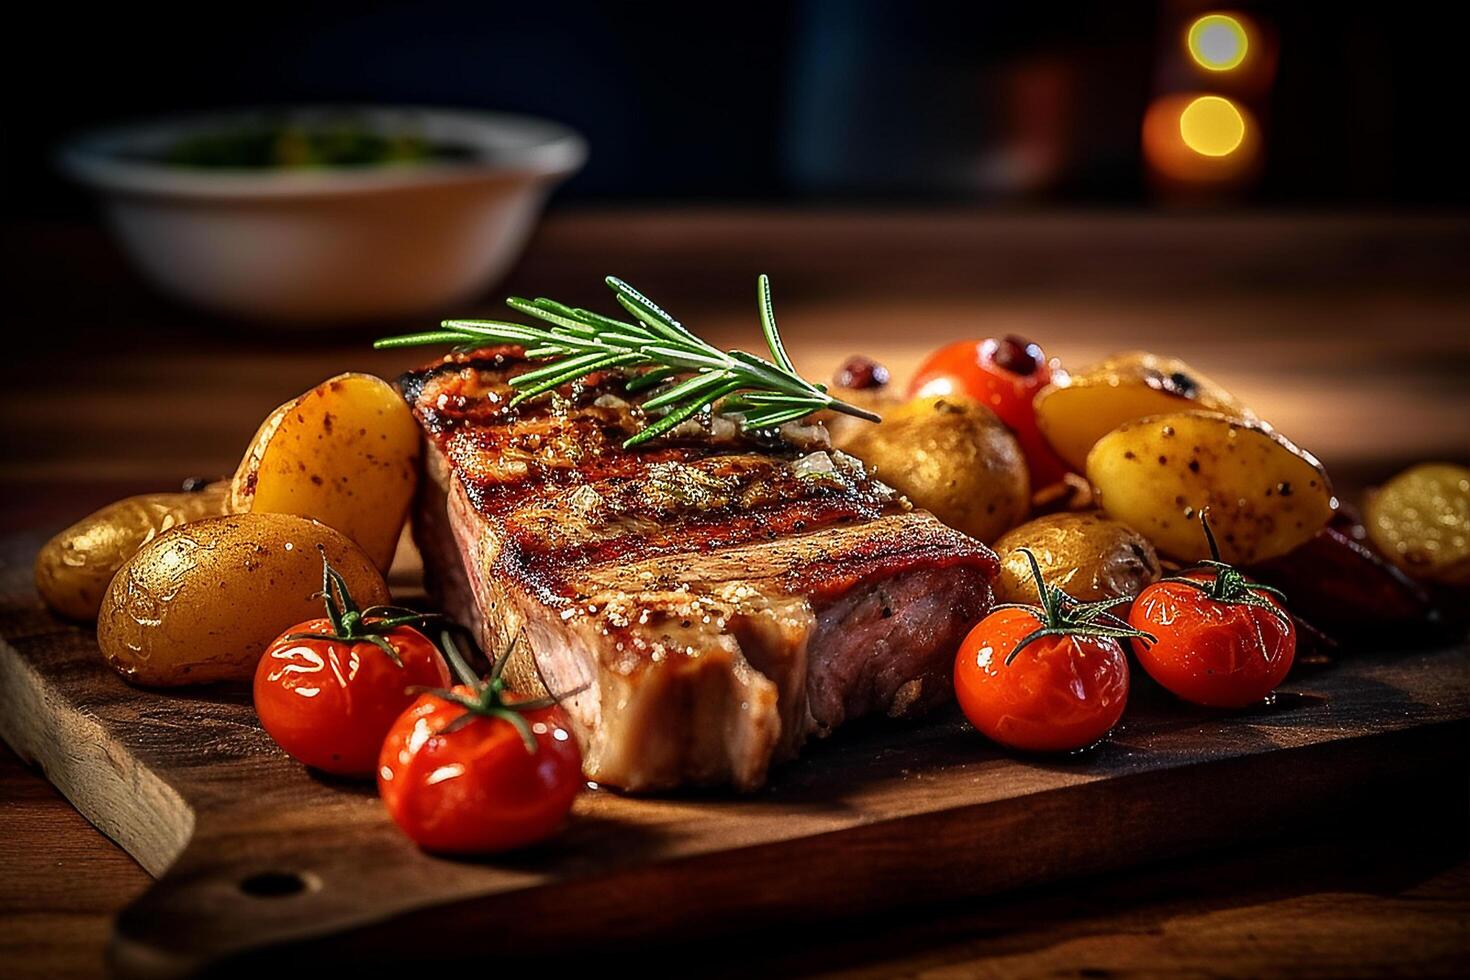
[1272, 190]
[1345, 103]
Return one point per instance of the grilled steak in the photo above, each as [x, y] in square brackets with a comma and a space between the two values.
[702, 604]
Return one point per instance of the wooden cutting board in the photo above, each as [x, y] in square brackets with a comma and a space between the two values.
[256, 858]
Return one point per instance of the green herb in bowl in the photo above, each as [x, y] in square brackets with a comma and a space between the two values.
[293, 145]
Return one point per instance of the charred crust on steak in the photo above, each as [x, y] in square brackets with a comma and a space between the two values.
[716, 597]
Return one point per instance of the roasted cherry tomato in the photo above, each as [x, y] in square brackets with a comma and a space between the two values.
[1220, 639]
[1004, 375]
[328, 690]
[473, 771]
[1049, 678]
[1059, 693]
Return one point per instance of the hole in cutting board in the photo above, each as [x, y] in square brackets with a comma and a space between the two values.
[277, 884]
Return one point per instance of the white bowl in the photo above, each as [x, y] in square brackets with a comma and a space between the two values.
[331, 244]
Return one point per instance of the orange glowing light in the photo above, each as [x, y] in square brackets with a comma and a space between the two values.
[1212, 126]
[1217, 42]
[1180, 131]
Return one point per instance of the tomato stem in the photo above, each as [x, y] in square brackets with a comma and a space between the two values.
[488, 698]
[1060, 614]
[461, 668]
[1230, 585]
[353, 625]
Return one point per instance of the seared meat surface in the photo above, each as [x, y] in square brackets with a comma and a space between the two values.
[701, 604]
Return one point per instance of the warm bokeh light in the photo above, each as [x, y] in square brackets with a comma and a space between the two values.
[1211, 126]
[1201, 140]
[1217, 42]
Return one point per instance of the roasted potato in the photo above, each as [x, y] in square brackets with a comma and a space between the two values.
[345, 453]
[1074, 414]
[200, 603]
[1421, 521]
[951, 456]
[1265, 496]
[1085, 554]
[74, 568]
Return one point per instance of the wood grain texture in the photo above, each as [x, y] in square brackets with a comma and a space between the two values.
[255, 853]
[61, 884]
[1334, 897]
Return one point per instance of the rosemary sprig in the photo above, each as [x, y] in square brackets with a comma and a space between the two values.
[686, 375]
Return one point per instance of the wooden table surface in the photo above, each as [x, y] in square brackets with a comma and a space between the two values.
[1351, 333]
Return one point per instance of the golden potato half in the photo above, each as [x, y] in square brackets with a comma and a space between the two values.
[74, 568]
[1421, 520]
[1073, 415]
[1084, 554]
[201, 603]
[951, 456]
[1265, 496]
[345, 453]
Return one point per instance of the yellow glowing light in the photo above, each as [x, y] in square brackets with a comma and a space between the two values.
[1217, 42]
[1212, 126]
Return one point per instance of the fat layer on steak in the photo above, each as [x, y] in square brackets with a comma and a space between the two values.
[701, 605]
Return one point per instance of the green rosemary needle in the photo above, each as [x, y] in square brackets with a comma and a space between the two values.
[683, 374]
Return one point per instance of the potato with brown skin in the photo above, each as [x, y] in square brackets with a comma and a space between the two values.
[1085, 554]
[1420, 520]
[344, 453]
[951, 456]
[1073, 414]
[74, 568]
[199, 604]
[1264, 495]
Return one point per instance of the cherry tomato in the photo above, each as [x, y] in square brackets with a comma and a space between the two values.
[329, 702]
[1004, 375]
[1219, 654]
[473, 786]
[1059, 693]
